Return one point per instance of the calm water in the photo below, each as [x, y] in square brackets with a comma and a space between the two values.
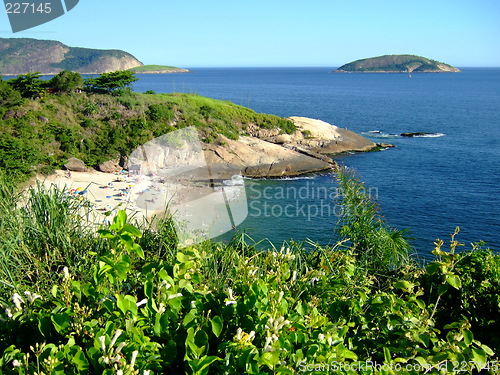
[427, 185]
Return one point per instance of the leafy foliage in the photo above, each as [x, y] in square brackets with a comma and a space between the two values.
[107, 83]
[139, 304]
[28, 85]
[66, 81]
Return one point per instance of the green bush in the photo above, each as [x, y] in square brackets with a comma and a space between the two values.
[132, 301]
[159, 112]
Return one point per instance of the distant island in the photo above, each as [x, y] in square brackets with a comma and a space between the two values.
[157, 69]
[24, 55]
[396, 64]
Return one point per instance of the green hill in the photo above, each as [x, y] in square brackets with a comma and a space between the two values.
[47, 131]
[396, 64]
[24, 55]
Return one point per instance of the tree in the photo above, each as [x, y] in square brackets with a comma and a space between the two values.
[8, 96]
[29, 85]
[66, 81]
[118, 81]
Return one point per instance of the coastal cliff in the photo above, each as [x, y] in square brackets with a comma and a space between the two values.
[24, 55]
[396, 64]
[271, 153]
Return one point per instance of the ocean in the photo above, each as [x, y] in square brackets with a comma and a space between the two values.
[428, 185]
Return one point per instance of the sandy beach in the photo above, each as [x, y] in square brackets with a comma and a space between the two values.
[198, 209]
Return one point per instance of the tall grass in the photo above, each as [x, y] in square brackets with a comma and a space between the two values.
[380, 248]
[44, 230]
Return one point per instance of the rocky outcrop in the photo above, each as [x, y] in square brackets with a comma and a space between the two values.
[110, 166]
[322, 138]
[259, 158]
[265, 153]
[75, 165]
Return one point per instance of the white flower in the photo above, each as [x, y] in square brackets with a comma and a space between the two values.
[8, 312]
[66, 273]
[102, 340]
[143, 302]
[119, 372]
[251, 336]
[275, 325]
[115, 337]
[174, 295]
[146, 372]
[134, 357]
[18, 301]
[16, 363]
[32, 297]
[162, 308]
[294, 276]
[120, 347]
[321, 337]
[269, 341]
[230, 300]
[239, 331]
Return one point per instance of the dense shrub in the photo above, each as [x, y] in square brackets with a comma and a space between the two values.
[130, 301]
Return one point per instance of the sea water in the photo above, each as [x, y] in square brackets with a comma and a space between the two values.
[428, 185]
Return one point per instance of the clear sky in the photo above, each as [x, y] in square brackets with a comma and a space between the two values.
[240, 33]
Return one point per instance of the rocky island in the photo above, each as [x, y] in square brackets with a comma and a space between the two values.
[396, 64]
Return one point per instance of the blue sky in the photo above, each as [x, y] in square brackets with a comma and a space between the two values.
[329, 33]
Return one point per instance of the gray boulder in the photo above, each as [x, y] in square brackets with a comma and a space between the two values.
[75, 165]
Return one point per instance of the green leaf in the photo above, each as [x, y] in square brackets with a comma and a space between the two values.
[442, 289]
[131, 230]
[80, 361]
[104, 233]
[479, 358]
[270, 359]
[201, 366]
[60, 321]
[44, 326]
[387, 355]
[201, 338]
[404, 285]
[468, 337]
[432, 268]
[454, 281]
[120, 219]
[126, 304]
[216, 325]
[138, 250]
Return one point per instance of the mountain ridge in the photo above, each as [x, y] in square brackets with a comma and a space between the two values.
[27, 55]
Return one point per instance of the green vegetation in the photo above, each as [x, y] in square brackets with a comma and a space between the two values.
[107, 83]
[74, 300]
[66, 82]
[40, 131]
[152, 68]
[396, 63]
